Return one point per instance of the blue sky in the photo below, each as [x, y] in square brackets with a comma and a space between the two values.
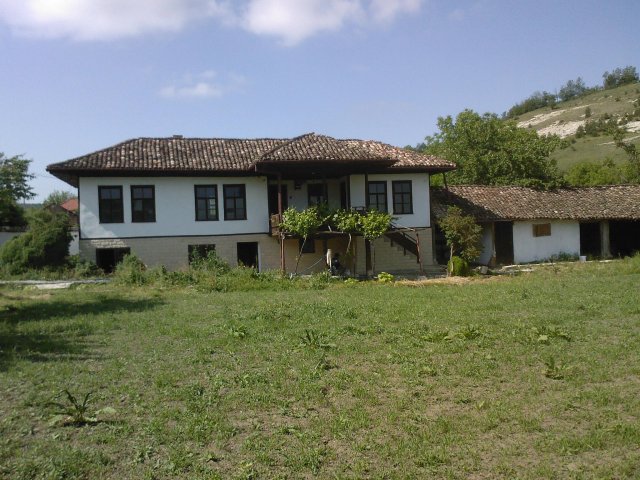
[81, 75]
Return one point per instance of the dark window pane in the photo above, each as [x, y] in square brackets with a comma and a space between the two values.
[377, 198]
[110, 208]
[234, 202]
[402, 200]
[143, 205]
[206, 202]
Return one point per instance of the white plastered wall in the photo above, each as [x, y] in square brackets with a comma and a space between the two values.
[175, 208]
[564, 238]
[421, 216]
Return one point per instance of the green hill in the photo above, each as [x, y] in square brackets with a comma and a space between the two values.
[564, 119]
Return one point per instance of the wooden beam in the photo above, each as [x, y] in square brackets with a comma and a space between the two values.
[419, 253]
[366, 190]
[282, 259]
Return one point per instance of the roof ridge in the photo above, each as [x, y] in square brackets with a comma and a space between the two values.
[278, 147]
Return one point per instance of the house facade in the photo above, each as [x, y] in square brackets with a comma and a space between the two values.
[522, 225]
[165, 199]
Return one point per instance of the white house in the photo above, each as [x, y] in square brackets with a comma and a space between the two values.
[522, 225]
[165, 198]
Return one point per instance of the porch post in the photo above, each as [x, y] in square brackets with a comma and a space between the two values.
[282, 261]
[279, 193]
[605, 241]
[367, 243]
[366, 191]
[493, 260]
[325, 188]
[368, 262]
[419, 253]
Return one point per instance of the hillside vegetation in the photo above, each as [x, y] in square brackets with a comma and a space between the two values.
[621, 104]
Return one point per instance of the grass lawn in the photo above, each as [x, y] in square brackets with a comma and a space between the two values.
[534, 376]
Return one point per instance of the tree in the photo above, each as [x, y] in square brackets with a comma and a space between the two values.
[491, 151]
[14, 186]
[373, 225]
[620, 76]
[15, 177]
[58, 197]
[572, 89]
[535, 101]
[463, 235]
[588, 174]
[303, 224]
[11, 215]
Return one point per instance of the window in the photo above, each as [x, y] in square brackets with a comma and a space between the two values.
[402, 201]
[308, 247]
[235, 202]
[542, 230]
[377, 198]
[197, 252]
[316, 194]
[206, 202]
[143, 203]
[110, 205]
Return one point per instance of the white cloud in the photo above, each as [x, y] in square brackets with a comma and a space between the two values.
[104, 19]
[294, 20]
[387, 10]
[204, 85]
[290, 21]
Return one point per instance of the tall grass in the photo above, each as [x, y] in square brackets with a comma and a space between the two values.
[212, 274]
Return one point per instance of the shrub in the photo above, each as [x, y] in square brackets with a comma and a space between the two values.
[82, 268]
[45, 243]
[458, 267]
[384, 277]
[131, 271]
[463, 234]
[211, 262]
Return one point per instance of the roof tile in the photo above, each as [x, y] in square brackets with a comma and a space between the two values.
[495, 203]
[177, 154]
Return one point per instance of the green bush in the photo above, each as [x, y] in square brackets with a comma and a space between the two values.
[80, 268]
[458, 267]
[131, 271]
[384, 277]
[44, 244]
[211, 262]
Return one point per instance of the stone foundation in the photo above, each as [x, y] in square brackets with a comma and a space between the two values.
[173, 252]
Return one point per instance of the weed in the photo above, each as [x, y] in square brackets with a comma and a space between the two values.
[554, 370]
[238, 331]
[74, 409]
[437, 336]
[324, 364]
[311, 338]
[469, 332]
[546, 332]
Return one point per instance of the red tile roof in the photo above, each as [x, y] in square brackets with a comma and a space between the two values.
[179, 155]
[493, 203]
[70, 205]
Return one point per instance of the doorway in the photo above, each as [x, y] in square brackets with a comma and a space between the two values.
[108, 258]
[590, 241]
[625, 237]
[503, 237]
[248, 254]
[273, 199]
